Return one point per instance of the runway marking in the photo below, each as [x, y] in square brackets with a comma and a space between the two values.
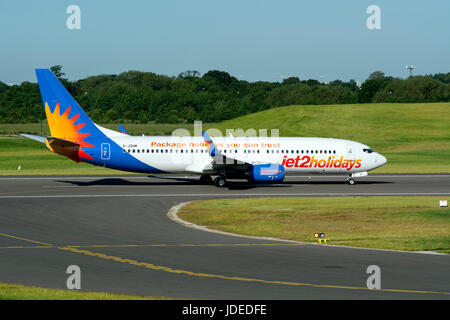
[425, 175]
[24, 239]
[217, 276]
[153, 245]
[334, 194]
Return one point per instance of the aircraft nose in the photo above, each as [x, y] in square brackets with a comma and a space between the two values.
[382, 159]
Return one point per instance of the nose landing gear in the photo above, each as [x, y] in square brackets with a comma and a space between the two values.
[351, 180]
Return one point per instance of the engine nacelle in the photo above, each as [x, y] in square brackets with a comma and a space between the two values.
[267, 173]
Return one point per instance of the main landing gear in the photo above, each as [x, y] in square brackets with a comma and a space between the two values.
[350, 181]
[206, 179]
[218, 182]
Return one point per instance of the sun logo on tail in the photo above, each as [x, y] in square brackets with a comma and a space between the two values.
[62, 127]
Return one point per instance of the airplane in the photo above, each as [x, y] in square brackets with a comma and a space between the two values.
[255, 159]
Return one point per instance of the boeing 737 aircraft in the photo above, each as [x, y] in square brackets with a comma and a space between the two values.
[256, 159]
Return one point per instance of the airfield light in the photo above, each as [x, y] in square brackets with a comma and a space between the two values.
[319, 235]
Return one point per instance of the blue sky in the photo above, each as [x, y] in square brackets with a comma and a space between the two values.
[251, 39]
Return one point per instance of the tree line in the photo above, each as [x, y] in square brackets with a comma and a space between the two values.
[214, 96]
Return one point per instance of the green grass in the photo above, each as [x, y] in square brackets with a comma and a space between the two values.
[398, 223]
[415, 138]
[19, 292]
[34, 159]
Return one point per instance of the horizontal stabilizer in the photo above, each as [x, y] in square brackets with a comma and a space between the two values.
[64, 147]
[61, 142]
[37, 138]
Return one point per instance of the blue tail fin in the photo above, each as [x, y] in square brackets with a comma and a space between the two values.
[66, 119]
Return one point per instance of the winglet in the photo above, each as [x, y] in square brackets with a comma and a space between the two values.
[212, 150]
[122, 129]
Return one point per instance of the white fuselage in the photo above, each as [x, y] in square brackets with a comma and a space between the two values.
[305, 155]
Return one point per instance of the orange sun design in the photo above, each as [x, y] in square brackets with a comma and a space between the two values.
[62, 127]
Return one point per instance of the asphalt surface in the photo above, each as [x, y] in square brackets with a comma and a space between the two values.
[117, 231]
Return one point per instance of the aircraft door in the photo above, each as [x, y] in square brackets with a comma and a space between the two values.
[350, 152]
[106, 151]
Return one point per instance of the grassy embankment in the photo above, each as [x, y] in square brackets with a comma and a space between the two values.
[415, 138]
[19, 292]
[398, 223]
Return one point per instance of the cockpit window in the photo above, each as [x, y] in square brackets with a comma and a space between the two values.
[368, 150]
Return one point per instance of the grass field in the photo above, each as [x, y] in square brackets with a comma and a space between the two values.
[19, 292]
[415, 138]
[399, 223]
[34, 159]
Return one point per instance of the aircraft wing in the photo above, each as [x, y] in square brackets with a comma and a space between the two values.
[232, 168]
[219, 159]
